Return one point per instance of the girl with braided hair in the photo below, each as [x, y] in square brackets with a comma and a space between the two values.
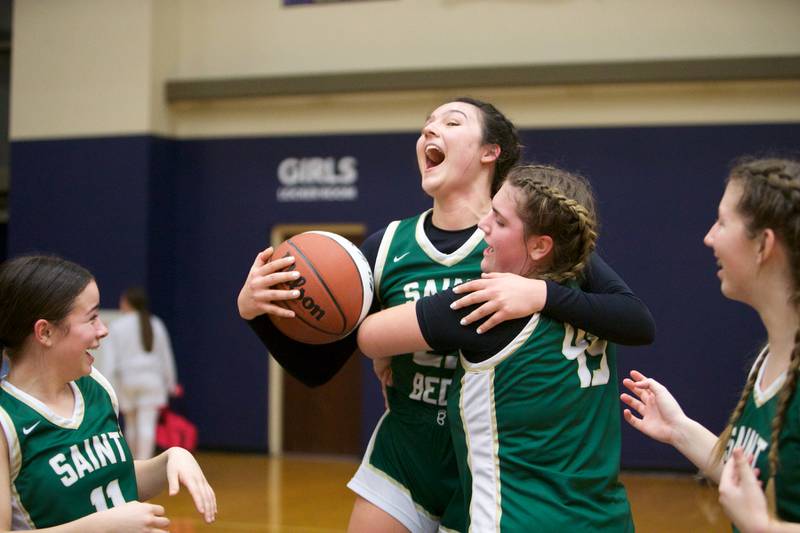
[756, 240]
[408, 476]
[532, 404]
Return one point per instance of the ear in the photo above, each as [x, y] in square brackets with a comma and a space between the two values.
[766, 244]
[43, 332]
[490, 153]
[539, 247]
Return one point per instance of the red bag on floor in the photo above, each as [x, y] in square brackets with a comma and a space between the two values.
[175, 430]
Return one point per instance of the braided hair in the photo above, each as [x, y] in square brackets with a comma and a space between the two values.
[557, 203]
[770, 199]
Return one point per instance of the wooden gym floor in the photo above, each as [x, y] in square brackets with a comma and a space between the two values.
[307, 494]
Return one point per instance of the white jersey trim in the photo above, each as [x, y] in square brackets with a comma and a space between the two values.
[509, 349]
[37, 405]
[445, 259]
[480, 429]
[388, 494]
[383, 253]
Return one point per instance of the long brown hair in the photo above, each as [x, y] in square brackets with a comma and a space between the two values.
[137, 298]
[770, 199]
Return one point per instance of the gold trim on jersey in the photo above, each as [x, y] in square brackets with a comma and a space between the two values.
[18, 510]
[445, 259]
[101, 379]
[760, 397]
[383, 253]
[37, 405]
[503, 354]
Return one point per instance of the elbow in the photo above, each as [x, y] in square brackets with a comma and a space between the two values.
[367, 340]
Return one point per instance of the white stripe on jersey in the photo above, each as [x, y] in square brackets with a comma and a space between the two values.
[480, 428]
[383, 253]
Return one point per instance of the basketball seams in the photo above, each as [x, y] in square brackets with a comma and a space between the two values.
[321, 281]
[336, 287]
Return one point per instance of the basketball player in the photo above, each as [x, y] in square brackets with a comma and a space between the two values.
[756, 241]
[409, 474]
[63, 461]
[532, 406]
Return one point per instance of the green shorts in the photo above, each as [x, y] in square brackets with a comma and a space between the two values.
[409, 470]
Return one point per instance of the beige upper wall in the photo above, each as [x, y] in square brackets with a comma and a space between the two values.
[220, 38]
[98, 67]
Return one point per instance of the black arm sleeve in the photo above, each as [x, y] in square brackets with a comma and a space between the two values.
[605, 306]
[312, 364]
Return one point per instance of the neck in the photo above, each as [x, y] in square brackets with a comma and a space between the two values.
[781, 320]
[460, 211]
[32, 374]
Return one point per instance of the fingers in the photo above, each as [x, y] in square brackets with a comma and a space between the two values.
[262, 257]
[742, 466]
[728, 477]
[173, 482]
[632, 420]
[469, 286]
[633, 403]
[638, 376]
[479, 313]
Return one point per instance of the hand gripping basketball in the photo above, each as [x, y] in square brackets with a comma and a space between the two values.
[335, 287]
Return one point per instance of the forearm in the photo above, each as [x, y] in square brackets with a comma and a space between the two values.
[313, 365]
[391, 332]
[100, 522]
[696, 443]
[151, 475]
[778, 526]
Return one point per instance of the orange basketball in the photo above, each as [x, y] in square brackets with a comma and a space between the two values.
[335, 287]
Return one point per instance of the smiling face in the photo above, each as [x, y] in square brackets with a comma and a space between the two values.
[451, 153]
[507, 246]
[735, 250]
[80, 331]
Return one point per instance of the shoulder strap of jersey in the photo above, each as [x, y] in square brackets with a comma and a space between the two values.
[12, 441]
[101, 379]
[383, 253]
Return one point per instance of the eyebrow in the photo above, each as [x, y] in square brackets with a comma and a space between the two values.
[447, 112]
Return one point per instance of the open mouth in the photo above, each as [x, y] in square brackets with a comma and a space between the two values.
[433, 156]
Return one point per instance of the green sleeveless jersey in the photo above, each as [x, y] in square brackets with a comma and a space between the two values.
[536, 430]
[63, 469]
[753, 432]
[407, 268]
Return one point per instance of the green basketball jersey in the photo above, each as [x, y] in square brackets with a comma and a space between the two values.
[753, 432]
[65, 468]
[536, 429]
[407, 268]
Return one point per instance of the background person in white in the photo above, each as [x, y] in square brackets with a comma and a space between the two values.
[141, 367]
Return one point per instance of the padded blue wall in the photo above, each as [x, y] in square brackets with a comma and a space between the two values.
[187, 217]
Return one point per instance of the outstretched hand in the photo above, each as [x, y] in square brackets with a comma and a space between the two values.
[257, 293]
[741, 495]
[659, 412]
[502, 297]
[182, 469]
